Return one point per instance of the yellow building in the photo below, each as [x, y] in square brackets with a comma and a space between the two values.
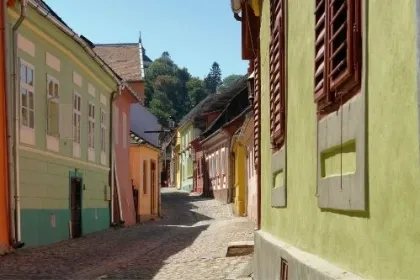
[245, 182]
[144, 160]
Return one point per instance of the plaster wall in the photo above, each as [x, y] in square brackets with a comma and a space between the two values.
[356, 241]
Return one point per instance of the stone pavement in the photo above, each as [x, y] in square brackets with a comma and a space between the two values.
[189, 243]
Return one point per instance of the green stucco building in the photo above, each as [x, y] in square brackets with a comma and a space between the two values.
[187, 134]
[63, 130]
[339, 194]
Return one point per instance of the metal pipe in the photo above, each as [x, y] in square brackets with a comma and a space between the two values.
[16, 106]
[111, 145]
[5, 109]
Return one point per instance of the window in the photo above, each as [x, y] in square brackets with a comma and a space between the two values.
[77, 103]
[91, 125]
[284, 271]
[337, 53]
[27, 106]
[53, 103]
[277, 73]
[103, 131]
[144, 176]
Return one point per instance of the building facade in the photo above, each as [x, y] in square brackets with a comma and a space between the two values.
[145, 162]
[187, 134]
[144, 159]
[61, 185]
[127, 61]
[216, 143]
[330, 154]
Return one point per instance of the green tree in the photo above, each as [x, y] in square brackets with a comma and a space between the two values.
[196, 91]
[228, 81]
[213, 79]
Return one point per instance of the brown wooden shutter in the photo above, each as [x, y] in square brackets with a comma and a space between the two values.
[337, 51]
[277, 67]
[344, 44]
[320, 51]
[257, 98]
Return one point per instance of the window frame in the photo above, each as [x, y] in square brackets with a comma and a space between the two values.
[103, 115]
[335, 92]
[28, 88]
[77, 112]
[91, 125]
[56, 100]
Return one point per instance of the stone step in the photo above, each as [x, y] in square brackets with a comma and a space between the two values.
[240, 248]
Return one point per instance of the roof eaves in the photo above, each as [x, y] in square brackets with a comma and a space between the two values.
[48, 13]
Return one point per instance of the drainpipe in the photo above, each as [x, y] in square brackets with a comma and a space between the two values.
[16, 105]
[111, 154]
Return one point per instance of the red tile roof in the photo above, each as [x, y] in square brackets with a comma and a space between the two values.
[124, 59]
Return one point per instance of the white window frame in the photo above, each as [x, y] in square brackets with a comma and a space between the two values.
[28, 88]
[91, 126]
[56, 100]
[103, 130]
[77, 112]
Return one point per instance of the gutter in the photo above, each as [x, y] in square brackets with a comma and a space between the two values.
[16, 218]
[45, 13]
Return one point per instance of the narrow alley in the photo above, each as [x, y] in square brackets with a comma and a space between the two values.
[190, 242]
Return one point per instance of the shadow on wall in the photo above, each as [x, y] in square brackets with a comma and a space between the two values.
[137, 252]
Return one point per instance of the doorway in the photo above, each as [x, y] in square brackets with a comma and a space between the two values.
[152, 186]
[76, 207]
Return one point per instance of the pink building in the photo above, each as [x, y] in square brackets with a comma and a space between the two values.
[128, 61]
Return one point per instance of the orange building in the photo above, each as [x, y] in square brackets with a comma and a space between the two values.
[144, 162]
[4, 202]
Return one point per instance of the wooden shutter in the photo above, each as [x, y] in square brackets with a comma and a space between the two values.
[320, 50]
[257, 98]
[337, 51]
[344, 44]
[277, 65]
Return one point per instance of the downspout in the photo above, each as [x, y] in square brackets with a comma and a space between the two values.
[111, 154]
[114, 177]
[16, 105]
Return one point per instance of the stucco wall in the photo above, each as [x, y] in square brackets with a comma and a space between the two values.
[45, 173]
[380, 243]
[122, 159]
[139, 154]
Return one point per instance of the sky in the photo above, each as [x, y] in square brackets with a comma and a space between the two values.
[194, 32]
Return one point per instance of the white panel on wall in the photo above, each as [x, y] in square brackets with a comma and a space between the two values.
[52, 62]
[91, 90]
[77, 79]
[26, 45]
[103, 99]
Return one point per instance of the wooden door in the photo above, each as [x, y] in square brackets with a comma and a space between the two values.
[76, 207]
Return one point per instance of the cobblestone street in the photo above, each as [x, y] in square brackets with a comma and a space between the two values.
[189, 243]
